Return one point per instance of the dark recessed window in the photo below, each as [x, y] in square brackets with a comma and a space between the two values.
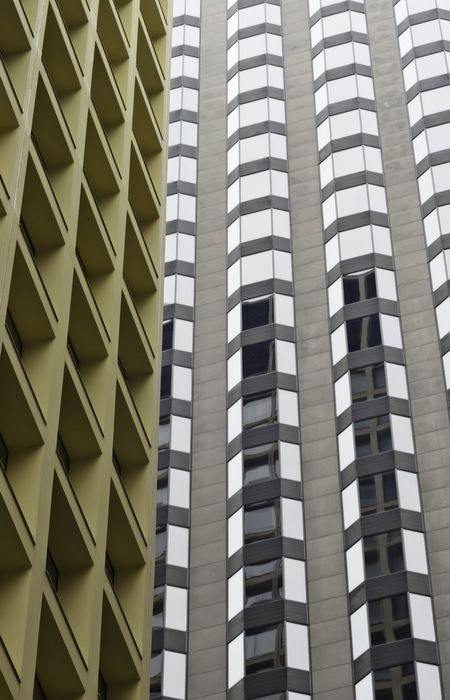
[263, 582]
[52, 570]
[164, 433]
[262, 521]
[259, 409]
[162, 487]
[261, 463]
[167, 339]
[258, 358]
[160, 544]
[155, 674]
[368, 383]
[4, 454]
[359, 287]
[396, 682]
[257, 312]
[389, 619]
[158, 607]
[372, 436]
[363, 332]
[383, 554]
[378, 493]
[264, 649]
[166, 381]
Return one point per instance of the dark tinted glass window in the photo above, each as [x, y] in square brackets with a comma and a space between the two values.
[158, 607]
[263, 582]
[389, 619]
[259, 409]
[258, 358]
[261, 463]
[166, 381]
[162, 488]
[167, 340]
[378, 493]
[359, 287]
[155, 674]
[264, 649]
[372, 436]
[397, 683]
[262, 521]
[363, 332]
[368, 383]
[160, 545]
[383, 554]
[257, 312]
[164, 433]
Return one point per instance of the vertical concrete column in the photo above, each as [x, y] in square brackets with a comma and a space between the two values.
[426, 382]
[329, 625]
[208, 576]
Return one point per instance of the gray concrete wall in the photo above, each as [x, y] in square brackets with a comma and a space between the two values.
[329, 628]
[426, 381]
[207, 616]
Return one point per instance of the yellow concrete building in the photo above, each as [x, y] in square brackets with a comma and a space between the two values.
[83, 117]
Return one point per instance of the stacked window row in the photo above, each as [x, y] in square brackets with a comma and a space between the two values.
[267, 601]
[423, 35]
[170, 604]
[387, 573]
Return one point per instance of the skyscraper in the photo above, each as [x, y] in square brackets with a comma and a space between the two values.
[304, 467]
[83, 120]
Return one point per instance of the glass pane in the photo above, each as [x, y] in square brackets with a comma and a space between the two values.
[263, 582]
[372, 436]
[363, 333]
[260, 463]
[258, 358]
[368, 383]
[257, 312]
[260, 410]
[261, 522]
[164, 433]
[397, 683]
[162, 488]
[166, 381]
[383, 554]
[359, 287]
[389, 619]
[160, 545]
[378, 493]
[167, 341]
[264, 649]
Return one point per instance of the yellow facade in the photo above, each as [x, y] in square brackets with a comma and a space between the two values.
[83, 118]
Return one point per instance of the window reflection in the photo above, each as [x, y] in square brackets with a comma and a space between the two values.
[378, 493]
[262, 521]
[166, 381]
[389, 619]
[383, 554]
[160, 545]
[257, 312]
[396, 683]
[363, 332]
[263, 582]
[260, 409]
[155, 674]
[158, 607]
[260, 463]
[368, 383]
[359, 287]
[372, 436]
[164, 433]
[264, 649]
[162, 488]
[258, 358]
[167, 339]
